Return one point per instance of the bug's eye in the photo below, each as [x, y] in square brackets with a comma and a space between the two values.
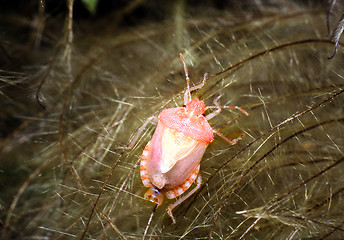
[184, 106]
[203, 114]
[156, 191]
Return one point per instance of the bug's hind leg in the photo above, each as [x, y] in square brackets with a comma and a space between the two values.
[187, 94]
[219, 108]
[229, 141]
[216, 112]
[201, 84]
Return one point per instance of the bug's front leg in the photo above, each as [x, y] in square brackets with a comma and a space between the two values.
[179, 201]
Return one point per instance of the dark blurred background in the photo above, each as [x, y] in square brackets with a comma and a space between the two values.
[76, 82]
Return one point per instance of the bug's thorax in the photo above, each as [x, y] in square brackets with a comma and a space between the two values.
[189, 120]
[195, 107]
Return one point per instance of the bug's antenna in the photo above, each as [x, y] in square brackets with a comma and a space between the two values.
[187, 94]
[149, 221]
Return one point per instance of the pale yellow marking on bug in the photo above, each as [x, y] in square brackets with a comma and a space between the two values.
[175, 146]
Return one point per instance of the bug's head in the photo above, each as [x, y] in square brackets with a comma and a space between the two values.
[196, 107]
[155, 195]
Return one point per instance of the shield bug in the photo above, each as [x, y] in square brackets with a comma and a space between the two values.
[170, 162]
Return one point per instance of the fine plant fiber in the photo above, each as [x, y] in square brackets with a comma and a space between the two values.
[74, 89]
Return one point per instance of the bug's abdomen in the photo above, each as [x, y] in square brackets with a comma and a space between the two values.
[143, 167]
[185, 167]
[158, 169]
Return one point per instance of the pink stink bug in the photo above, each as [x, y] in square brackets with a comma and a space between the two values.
[171, 160]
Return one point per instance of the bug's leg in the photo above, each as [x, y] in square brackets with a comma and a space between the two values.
[187, 94]
[200, 85]
[229, 141]
[138, 133]
[179, 201]
[337, 33]
[217, 106]
[218, 109]
[237, 108]
[176, 191]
